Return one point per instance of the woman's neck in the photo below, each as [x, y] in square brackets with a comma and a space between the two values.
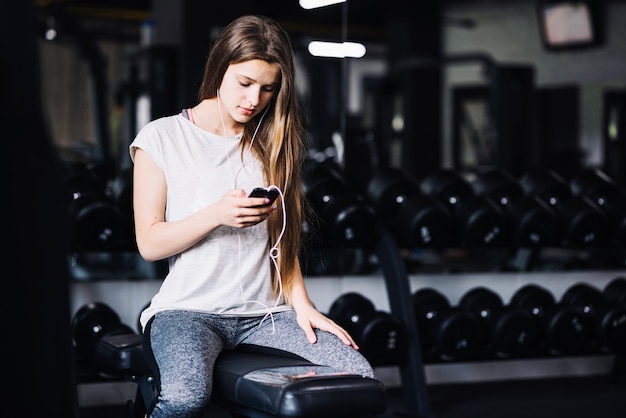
[206, 115]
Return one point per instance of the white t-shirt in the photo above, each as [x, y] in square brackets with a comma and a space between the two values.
[228, 272]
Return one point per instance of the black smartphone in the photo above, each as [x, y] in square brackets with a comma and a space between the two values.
[271, 194]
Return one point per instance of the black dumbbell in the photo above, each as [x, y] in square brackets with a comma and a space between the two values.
[381, 338]
[478, 221]
[447, 186]
[615, 290]
[415, 219]
[608, 319]
[547, 185]
[507, 330]
[94, 222]
[91, 323]
[531, 222]
[345, 217]
[609, 196]
[581, 222]
[562, 329]
[446, 332]
[499, 185]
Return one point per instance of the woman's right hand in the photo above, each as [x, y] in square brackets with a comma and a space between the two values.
[237, 210]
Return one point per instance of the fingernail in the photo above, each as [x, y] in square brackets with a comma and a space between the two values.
[267, 200]
[274, 207]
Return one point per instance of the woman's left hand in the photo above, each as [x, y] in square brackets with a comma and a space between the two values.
[310, 318]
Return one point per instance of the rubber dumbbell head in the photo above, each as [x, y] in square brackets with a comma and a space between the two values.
[499, 186]
[388, 190]
[349, 309]
[416, 219]
[533, 223]
[480, 222]
[508, 331]
[346, 219]
[608, 319]
[93, 321]
[615, 290]
[447, 186]
[608, 195]
[583, 223]
[563, 329]
[381, 338]
[547, 185]
[447, 332]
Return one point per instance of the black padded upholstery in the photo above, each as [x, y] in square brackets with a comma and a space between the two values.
[289, 387]
[259, 382]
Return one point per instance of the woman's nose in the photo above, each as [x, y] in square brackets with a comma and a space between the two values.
[253, 99]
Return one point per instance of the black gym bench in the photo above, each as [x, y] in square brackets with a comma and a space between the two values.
[254, 382]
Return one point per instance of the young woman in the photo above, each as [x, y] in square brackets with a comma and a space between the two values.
[234, 275]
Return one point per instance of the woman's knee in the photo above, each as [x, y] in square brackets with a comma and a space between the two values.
[182, 403]
[336, 354]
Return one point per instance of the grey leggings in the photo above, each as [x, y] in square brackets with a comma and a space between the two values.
[182, 346]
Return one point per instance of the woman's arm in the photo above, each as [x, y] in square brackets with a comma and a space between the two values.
[158, 239]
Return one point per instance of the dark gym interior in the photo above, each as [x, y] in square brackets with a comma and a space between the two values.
[468, 172]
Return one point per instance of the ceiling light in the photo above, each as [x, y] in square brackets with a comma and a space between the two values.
[336, 49]
[314, 4]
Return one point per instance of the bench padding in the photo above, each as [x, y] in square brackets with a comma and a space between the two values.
[290, 387]
[259, 382]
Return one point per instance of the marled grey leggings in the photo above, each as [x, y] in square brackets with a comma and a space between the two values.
[182, 347]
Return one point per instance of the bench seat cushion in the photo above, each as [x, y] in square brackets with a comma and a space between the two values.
[260, 382]
[293, 387]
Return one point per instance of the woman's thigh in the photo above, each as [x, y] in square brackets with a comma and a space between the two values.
[284, 333]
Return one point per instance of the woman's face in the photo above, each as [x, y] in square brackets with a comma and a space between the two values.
[247, 88]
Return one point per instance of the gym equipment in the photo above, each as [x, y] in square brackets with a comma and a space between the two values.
[615, 290]
[379, 335]
[447, 186]
[94, 221]
[532, 223]
[345, 218]
[581, 222]
[448, 333]
[499, 185]
[478, 221]
[251, 381]
[506, 330]
[609, 196]
[562, 329]
[584, 224]
[415, 219]
[608, 320]
[547, 185]
[91, 323]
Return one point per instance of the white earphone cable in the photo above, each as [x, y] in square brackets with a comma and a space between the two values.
[274, 252]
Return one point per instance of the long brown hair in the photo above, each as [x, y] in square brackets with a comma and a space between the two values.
[279, 142]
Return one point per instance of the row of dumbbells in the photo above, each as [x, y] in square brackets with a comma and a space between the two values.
[487, 209]
[585, 320]
[443, 209]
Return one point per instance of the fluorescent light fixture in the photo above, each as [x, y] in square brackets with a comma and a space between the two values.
[314, 4]
[336, 49]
